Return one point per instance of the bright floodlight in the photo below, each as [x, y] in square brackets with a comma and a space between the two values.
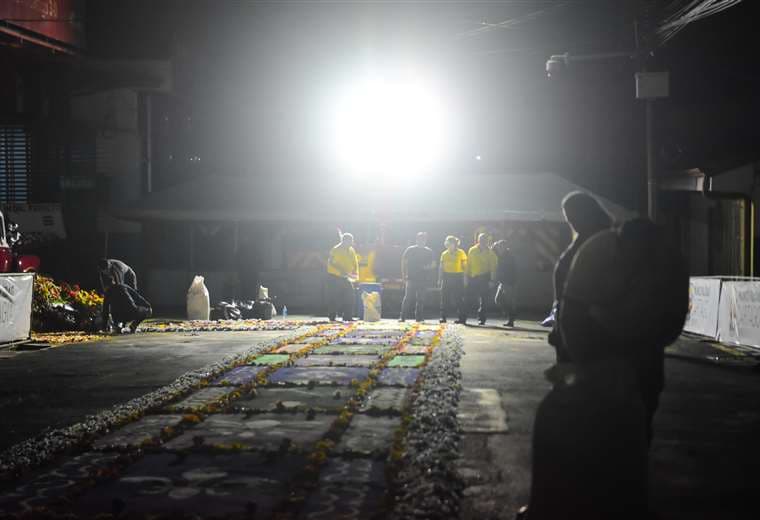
[389, 127]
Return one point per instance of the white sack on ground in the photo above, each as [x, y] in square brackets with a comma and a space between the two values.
[198, 307]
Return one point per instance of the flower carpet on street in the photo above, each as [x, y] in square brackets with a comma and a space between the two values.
[222, 325]
[55, 339]
[330, 429]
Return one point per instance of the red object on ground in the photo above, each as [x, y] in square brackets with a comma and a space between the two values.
[27, 263]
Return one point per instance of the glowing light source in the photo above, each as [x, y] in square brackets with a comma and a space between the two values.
[389, 126]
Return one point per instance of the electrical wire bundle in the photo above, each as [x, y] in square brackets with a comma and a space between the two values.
[683, 13]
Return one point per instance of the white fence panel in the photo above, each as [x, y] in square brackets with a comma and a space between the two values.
[704, 302]
[739, 316]
[15, 306]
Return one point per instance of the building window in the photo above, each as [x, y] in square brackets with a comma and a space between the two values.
[15, 164]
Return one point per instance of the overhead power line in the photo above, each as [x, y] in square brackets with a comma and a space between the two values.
[684, 13]
[510, 22]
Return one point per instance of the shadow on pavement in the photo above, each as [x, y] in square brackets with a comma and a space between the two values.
[506, 329]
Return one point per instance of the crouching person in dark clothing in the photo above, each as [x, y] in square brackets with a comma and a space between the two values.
[111, 268]
[124, 304]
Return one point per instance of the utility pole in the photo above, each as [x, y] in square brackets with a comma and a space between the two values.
[649, 86]
[651, 172]
[648, 91]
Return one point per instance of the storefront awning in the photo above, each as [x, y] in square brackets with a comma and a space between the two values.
[527, 197]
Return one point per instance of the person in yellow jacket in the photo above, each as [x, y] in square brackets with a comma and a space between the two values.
[342, 271]
[366, 256]
[481, 268]
[451, 270]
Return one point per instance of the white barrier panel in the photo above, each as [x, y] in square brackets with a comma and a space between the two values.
[704, 302]
[15, 306]
[739, 316]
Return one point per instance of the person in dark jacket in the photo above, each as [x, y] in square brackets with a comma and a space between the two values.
[658, 283]
[586, 217]
[506, 278]
[124, 304]
[625, 299]
[417, 266]
[111, 268]
[629, 301]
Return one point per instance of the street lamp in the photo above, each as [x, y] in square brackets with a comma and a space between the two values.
[557, 63]
[391, 126]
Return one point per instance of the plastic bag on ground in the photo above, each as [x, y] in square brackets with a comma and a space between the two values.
[551, 318]
[198, 307]
[372, 306]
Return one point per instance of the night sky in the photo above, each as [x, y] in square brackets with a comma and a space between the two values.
[254, 76]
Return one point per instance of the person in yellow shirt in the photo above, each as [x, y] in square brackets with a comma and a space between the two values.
[366, 256]
[481, 268]
[342, 271]
[451, 278]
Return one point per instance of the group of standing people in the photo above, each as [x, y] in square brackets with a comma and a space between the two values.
[466, 280]
[621, 297]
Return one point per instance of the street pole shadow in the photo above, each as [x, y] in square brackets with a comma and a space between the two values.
[523, 329]
[505, 329]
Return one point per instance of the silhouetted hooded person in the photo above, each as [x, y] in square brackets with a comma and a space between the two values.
[586, 217]
[625, 299]
[112, 268]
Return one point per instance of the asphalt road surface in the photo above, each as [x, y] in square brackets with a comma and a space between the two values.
[704, 460]
[59, 386]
